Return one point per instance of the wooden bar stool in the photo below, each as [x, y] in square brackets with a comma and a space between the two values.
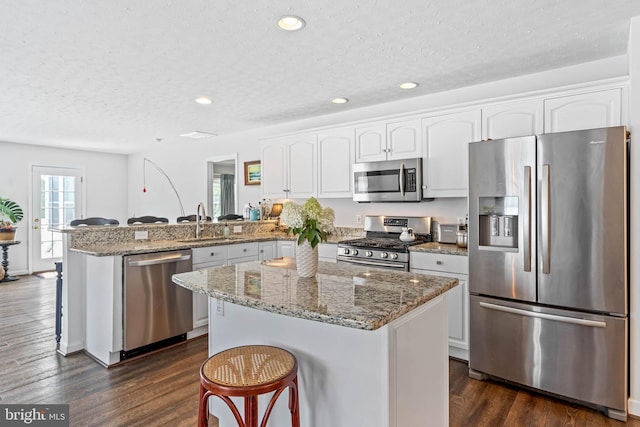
[248, 372]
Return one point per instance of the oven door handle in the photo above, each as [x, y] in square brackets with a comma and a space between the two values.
[397, 266]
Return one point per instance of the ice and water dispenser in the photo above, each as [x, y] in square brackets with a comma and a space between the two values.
[498, 222]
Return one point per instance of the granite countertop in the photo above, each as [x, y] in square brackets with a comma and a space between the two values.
[340, 294]
[439, 248]
[145, 246]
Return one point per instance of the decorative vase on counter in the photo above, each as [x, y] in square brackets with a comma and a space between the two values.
[306, 259]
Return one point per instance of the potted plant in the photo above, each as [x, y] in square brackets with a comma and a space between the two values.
[10, 214]
[311, 223]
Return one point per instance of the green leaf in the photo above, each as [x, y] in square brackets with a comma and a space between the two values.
[11, 210]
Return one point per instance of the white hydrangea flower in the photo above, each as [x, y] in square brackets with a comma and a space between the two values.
[292, 215]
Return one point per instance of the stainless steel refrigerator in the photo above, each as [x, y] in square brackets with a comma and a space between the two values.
[548, 272]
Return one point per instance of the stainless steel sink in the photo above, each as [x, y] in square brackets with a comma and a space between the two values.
[209, 239]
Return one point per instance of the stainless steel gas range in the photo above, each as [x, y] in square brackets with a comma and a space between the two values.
[382, 247]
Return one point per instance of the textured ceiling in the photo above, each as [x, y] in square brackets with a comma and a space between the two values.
[115, 75]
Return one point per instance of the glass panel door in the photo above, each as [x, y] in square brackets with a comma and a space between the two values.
[57, 197]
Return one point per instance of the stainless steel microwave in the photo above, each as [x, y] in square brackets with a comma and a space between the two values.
[388, 181]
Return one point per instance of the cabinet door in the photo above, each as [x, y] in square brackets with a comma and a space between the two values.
[302, 167]
[274, 172]
[404, 140]
[446, 161]
[457, 313]
[513, 119]
[335, 160]
[584, 111]
[267, 250]
[287, 248]
[201, 302]
[371, 143]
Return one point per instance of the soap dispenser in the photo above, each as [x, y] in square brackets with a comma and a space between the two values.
[225, 230]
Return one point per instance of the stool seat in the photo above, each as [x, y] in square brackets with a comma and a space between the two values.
[249, 371]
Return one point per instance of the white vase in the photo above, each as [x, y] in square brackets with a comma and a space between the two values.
[306, 260]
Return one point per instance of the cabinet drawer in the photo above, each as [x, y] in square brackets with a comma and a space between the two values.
[208, 254]
[328, 250]
[243, 250]
[439, 262]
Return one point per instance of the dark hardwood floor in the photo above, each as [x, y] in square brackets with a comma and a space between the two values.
[162, 389]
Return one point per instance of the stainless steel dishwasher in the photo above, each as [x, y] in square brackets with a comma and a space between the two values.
[156, 311]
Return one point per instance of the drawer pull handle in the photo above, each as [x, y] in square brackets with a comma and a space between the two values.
[439, 262]
[213, 253]
[244, 250]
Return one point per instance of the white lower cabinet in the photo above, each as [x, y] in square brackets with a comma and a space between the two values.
[455, 266]
[216, 256]
[213, 256]
[268, 250]
[287, 248]
[327, 252]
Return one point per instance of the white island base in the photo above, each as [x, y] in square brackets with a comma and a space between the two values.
[394, 376]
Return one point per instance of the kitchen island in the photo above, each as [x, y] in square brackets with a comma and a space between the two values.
[371, 343]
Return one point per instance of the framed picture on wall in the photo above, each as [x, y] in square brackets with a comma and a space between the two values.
[252, 172]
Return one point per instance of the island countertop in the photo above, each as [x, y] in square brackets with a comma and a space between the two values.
[341, 294]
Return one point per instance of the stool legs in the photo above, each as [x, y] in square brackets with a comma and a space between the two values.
[294, 405]
[251, 411]
[203, 408]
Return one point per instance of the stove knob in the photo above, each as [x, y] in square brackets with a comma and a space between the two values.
[346, 251]
[394, 256]
[384, 255]
[354, 251]
[368, 253]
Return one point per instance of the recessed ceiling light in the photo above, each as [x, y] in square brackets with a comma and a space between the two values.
[339, 100]
[409, 85]
[291, 23]
[203, 100]
[198, 135]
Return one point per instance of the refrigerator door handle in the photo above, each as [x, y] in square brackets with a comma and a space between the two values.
[402, 179]
[546, 218]
[527, 219]
[554, 317]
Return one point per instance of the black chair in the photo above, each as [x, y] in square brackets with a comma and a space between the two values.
[190, 218]
[147, 220]
[93, 221]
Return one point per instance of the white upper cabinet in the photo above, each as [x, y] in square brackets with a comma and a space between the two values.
[513, 119]
[371, 143]
[302, 167]
[289, 167]
[393, 141]
[446, 160]
[583, 111]
[274, 178]
[335, 160]
[404, 140]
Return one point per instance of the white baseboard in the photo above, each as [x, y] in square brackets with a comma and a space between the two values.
[633, 407]
[66, 349]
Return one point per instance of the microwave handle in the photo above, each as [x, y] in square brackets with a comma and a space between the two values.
[402, 179]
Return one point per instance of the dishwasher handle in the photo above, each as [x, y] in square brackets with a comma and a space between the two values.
[159, 260]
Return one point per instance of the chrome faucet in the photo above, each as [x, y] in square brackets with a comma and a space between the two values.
[200, 218]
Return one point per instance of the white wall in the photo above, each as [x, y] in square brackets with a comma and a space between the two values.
[186, 166]
[634, 261]
[105, 183]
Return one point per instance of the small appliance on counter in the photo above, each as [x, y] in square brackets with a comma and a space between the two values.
[447, 233]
